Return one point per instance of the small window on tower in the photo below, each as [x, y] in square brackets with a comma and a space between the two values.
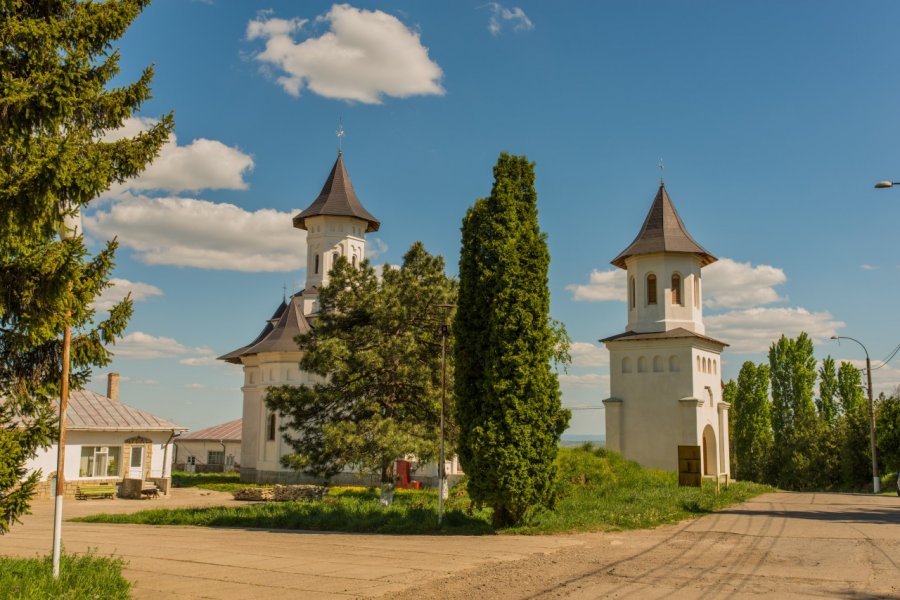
[676, 289]
[270, 427]
[317, 265]
[354, 260]
[334, 258]
[631, 292]
[651, 289]
[697, 291]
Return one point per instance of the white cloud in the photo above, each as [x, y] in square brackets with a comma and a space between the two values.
[198, 233]
[753, 330]
[145, 346]
[592, 380]
[364, 56]
[602, 285]
[195, 386]
[202, 164]
[585, 354]
[202, 361]
[500, 15]
[731, 284]
[726, 284]
[868, 267]
[375, 247]
[121, 288]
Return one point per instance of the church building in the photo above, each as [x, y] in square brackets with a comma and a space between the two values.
[665, 381]
[336, 224]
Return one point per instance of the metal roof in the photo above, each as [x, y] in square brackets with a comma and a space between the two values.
[678, 332]
[663, 231]
[226, 432]
[276, 336]
[337, 198]
[90, 411]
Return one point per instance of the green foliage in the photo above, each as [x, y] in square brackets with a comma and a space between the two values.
[377, 347]
[888, 426]
[80, 577]
[599, 491]
[508, 400]
[853, 429]
[825, 404]
[56, 60]
[796, 456]
[752, 430]
[217, 482]
[729, 394]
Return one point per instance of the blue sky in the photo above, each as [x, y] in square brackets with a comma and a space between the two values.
[773, 120]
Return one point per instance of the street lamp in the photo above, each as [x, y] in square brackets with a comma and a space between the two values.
[442, 475]
[70, 228]
[886, 184]
[876, 482]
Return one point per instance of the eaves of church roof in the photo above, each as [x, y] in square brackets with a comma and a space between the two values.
[663, 231]
[278, 334]
[678, 332]
[337, 198]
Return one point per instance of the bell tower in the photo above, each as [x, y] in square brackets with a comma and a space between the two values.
[336, 225]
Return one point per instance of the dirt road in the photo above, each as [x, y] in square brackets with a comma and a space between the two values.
[783, 545]
[779, 545]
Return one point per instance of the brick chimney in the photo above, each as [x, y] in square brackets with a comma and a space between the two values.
[112, 386]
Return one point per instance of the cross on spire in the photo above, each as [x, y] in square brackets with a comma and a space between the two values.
[340, 133]
[661, 168]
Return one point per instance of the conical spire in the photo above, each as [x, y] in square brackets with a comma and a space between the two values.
[663, 231]
[337, 198]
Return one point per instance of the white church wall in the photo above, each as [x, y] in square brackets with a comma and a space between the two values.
[665, 314]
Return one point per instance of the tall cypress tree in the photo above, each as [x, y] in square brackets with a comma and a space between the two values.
[56, 60]
[509, 411]
[826, 406]
[752, 423]
[856, 454]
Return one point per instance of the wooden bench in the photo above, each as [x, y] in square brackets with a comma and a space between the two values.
[98, 490]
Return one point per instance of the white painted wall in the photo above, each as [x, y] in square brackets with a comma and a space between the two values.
[665, 315]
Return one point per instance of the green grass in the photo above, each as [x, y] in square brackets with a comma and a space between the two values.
[80, 577]
[598, 491]
[219, 482]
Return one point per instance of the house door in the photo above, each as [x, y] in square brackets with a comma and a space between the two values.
[136, 470]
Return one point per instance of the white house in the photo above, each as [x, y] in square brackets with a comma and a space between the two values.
[211, 450]
[665, 381]
[336, 224]
[108, 441]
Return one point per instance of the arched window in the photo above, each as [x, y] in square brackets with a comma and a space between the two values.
[354, 260]
[626, 365]
[270, 427]
[699, 366]
[317, 264]
[651, 289]
[676, 289]
[715, 368]
[673, 363]
[705, 365]
[642, 365]
[334, 257]
[657, 364]
[631, 292]
[696, 290]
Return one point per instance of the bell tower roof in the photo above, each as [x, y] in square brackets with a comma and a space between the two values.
[337, 198]
[663, 231]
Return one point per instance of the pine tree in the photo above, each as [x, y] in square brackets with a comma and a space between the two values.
[508, 400]
[752, 431]
[56, 59]
[796, 432]
[377, 346]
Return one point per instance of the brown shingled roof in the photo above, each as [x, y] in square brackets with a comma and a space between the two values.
[276, 336]
[663, 231]
[678, 332]
[230, 431]
[337, 198]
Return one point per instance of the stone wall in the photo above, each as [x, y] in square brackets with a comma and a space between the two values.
[281, 493]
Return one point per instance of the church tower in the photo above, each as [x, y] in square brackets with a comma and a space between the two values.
[336, 224]
[665, 382]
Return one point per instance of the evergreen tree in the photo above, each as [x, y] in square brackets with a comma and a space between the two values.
[796, 432]
[377, 347]
[752, 431]
[56, 60]
[825, 404]
[887, 420]
[729, 393]
[855, 444]
[508, 401]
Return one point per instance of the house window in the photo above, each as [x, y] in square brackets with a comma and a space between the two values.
[631, 292]
[191, 460]
[270, 427]
[229, 460]
[651, 289]
[317, 265]
[676, 289]
[99, 461]
[215, 457]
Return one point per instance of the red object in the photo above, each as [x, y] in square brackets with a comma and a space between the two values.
[403, 479]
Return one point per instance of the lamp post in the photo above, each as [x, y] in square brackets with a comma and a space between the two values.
[442, 475]
[68, 231]
[876, 482]
[886, 184]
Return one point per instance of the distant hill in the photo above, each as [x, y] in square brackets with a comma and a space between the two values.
[569, 440]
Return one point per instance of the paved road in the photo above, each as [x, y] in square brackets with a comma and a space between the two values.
[778, 545]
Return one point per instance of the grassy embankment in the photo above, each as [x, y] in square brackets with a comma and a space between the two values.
[80, 576]
[599, 491]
